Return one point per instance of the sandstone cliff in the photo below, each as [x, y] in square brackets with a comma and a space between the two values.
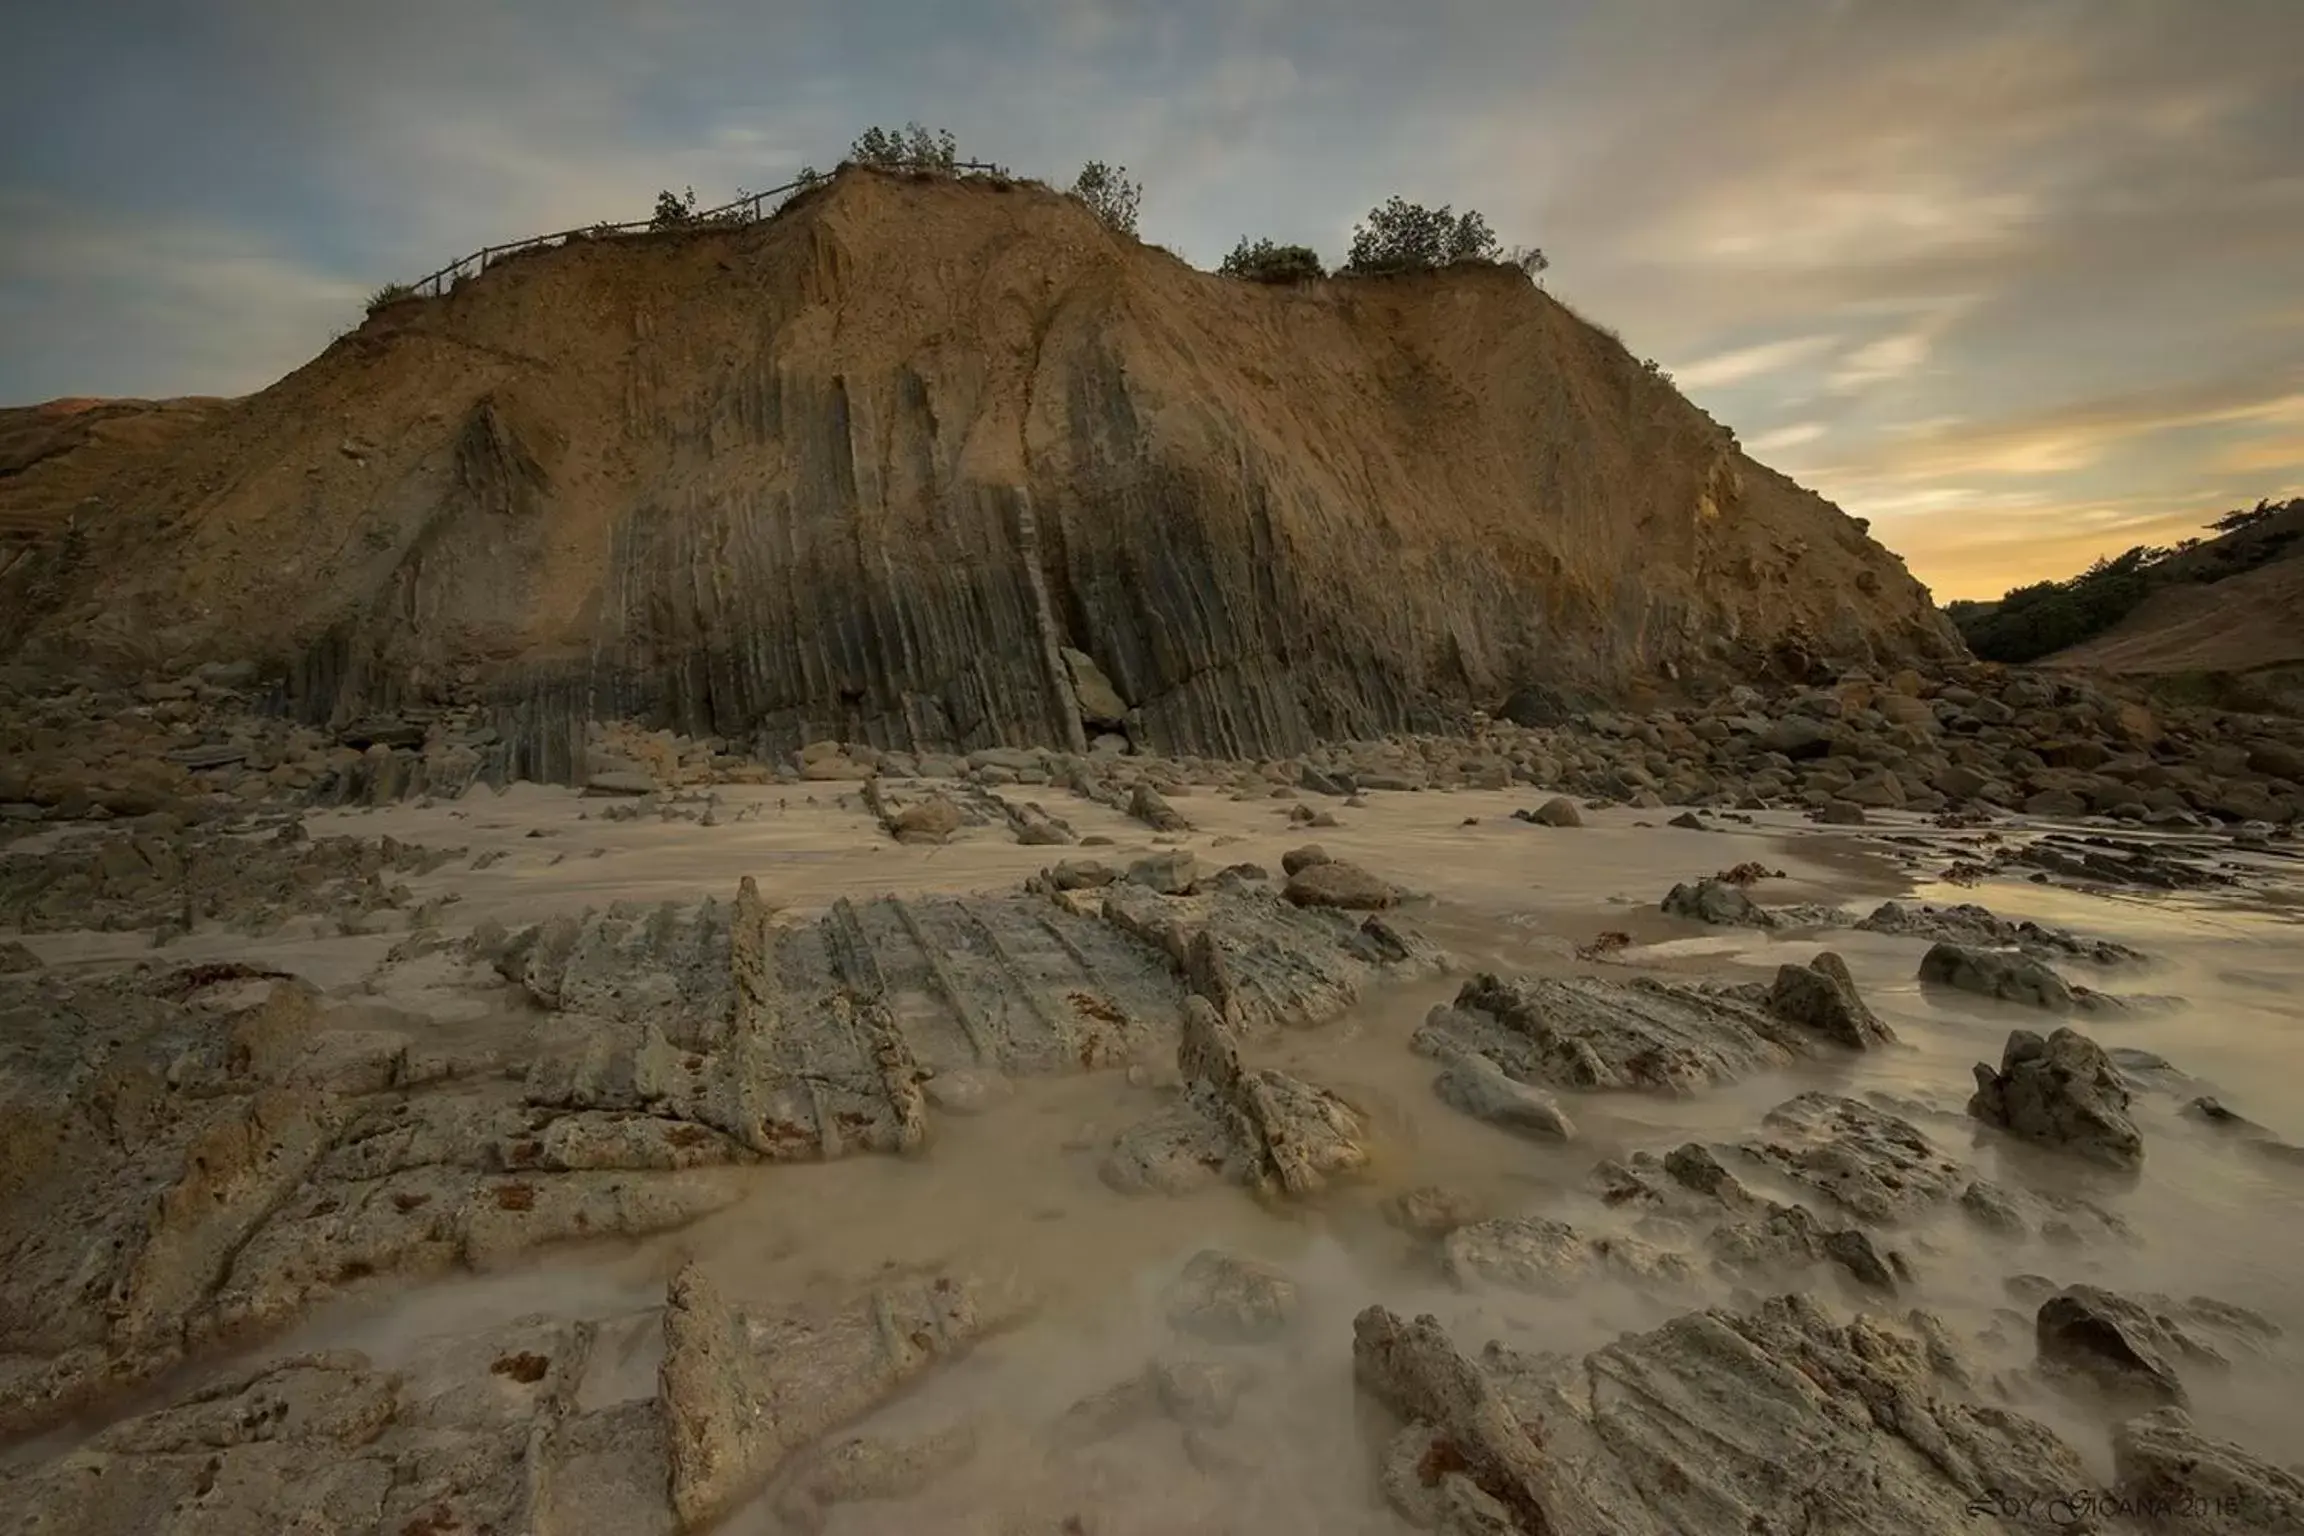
[871, 468]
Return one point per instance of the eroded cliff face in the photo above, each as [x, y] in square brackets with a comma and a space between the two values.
[870, 469]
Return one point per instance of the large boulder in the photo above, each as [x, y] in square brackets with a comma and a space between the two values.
[2008, 977]
[2062, 1092]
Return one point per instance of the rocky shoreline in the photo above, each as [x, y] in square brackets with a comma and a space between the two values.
[203, 1150]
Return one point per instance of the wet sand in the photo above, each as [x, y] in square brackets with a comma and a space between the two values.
[1016, 1191]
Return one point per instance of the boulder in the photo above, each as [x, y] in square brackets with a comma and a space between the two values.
[2010, 978]
[1298, 859]
[1559, 811]
[2060, 1092]
[2115, 1342]
[1334, 883]
[1719, 902]
[1477, 1086]
[1170, 874]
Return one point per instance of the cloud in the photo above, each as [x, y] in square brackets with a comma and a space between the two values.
[1876, 362]
[1749, 362]
[1788, 437]
[126, 306]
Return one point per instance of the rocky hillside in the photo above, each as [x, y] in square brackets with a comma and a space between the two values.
[937, 465]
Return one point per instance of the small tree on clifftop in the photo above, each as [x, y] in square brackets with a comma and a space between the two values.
[1109, 194]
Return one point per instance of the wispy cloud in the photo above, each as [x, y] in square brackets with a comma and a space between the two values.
[1793, 436]
[1750, 362]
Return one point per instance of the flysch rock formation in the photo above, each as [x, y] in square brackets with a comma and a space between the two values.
[1645, 1034]
[934, 439]
[199, 1155]
[1775, 1417]
[533, 1427]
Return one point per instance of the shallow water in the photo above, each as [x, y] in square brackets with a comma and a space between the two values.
[1017, 1192]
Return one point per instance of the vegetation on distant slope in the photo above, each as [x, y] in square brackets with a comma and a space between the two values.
[2050, 616]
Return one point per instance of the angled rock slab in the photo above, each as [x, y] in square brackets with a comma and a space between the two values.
[1273, 1133]
[742, 1394]
[460, 1438]
[1587, 1033]
[2138, 1347]
[2163, 1463]
[1977, 927]
[1772, 1418]
[1689, 1190]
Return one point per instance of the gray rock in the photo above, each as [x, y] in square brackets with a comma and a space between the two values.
[2060, 1092]
[2117, 1343]
[1477, 1086]
[1429, 1211]
[1231, 1300]
[1147, 806]
[1551, 1258]
[1717, 902]
[1296, 860]
[1559, 811]
[1334, 883]
[1081, 875]
[1798, 738]
[1821, 997]
[1976, 927]
[1100, 703]
[15, 958]
[967, 1090]
[2011, 978]
[620, 782]
[1170, 874]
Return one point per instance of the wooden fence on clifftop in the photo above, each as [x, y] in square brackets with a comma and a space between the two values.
[751, 208]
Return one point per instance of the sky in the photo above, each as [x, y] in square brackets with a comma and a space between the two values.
[2020, 281]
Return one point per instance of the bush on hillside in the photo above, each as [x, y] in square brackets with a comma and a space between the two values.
[1110, 195]
[674, 210]
[388, 295]
[1402, 236]
[1265, 262]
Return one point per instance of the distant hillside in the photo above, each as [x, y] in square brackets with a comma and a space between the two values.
[2229, 603]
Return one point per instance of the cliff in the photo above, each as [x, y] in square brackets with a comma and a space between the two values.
[867, 469]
